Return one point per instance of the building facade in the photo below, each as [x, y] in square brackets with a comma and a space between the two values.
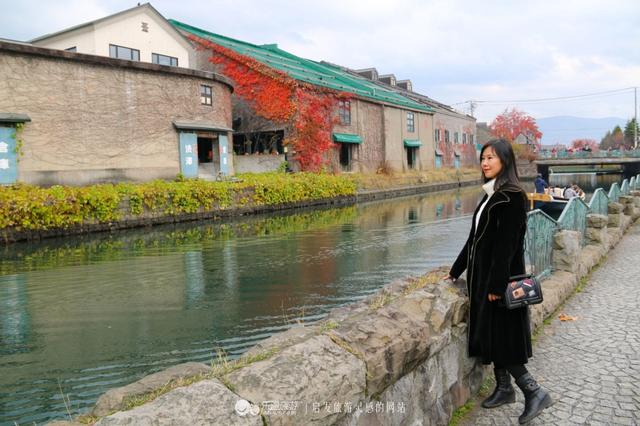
[137, 34]
[371, 127]
[81, 119]
[454, 137]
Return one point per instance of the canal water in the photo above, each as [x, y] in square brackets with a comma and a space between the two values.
[79, 316]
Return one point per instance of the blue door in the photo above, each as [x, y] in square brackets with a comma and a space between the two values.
[189, 154]
[223, 143]
[438, 161]
[8, 157]
[456, 162]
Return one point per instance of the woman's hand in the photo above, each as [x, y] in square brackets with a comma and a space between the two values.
[494, 297]
[448, 278]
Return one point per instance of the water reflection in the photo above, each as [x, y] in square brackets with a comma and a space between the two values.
[81, 315]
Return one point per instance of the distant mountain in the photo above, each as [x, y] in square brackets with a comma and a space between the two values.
[564, 129]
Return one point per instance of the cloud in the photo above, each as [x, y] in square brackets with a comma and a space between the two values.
[452, 50]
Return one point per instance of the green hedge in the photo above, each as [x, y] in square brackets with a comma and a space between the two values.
[27, 207]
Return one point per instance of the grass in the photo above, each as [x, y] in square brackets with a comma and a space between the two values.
[381, 299]
[223, 366]
[432, 277]
[327, 326]
[461, 413]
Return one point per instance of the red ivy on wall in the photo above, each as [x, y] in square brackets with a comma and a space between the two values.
[307, 110]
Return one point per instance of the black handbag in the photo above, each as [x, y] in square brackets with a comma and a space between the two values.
[522, 290]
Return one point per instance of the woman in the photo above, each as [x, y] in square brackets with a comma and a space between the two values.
[493, 253]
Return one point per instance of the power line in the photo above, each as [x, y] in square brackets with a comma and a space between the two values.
[551, 99]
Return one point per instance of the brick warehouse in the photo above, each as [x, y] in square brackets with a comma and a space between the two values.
[88, 119]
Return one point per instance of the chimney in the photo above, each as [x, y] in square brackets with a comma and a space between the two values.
[368, 73]
[405, 84]
[389, 79]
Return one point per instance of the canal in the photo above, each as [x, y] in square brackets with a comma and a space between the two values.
[79, 316]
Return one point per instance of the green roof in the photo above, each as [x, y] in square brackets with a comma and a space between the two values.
[316, 73]
[346, 138]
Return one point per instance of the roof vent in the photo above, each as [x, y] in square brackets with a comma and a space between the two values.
[370, 73]
[405, 84]
[389, 79]
[145, 27]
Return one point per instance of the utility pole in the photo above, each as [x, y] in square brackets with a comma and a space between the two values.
[472, 107]
[635, 116]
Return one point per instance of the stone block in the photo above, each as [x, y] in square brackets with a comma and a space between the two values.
[566, 250]
[291, 337]
[207, 402]
[314, 371]
[596, 235]
[566, 239]
[390, 343]
[625, 200]
[615, 207]
[615, 220]
[614, 236]
[113, 399]
[597, 221]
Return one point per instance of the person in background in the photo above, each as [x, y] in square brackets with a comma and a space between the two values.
[540, 184]
[494, 252]
[569, 192]
[579, 192]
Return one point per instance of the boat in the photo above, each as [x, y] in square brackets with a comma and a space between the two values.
[551, 205]
[551, 202]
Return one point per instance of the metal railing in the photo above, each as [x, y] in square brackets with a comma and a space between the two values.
[564, 154]
[541, 227]
[599, 203]
[614, 192]
[574, 216]
[539, 241]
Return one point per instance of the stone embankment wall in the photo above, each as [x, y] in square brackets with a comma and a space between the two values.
[397, 357]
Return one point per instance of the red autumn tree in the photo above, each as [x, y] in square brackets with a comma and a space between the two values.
[513, 123]
[305, 110]
[581, 144]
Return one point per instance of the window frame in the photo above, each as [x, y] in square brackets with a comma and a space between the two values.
[132, 57]
[464, 138]
[160, 55]
[456, 138]
[411, 122]
[437, 135]
[447, 136]
[206, 98]
[344, 112]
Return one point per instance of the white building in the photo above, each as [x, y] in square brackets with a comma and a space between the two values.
[138, 34]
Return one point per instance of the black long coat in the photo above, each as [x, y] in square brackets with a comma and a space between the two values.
[491, 255]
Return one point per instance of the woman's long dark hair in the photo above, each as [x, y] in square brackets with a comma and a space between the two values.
[508, 176]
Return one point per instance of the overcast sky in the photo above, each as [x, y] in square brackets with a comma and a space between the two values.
[452, 50]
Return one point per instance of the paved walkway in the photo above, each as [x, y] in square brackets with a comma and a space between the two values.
[591, 366]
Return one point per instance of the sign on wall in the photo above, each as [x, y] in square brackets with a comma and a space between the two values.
[188, 154]
[8, 157]
[223, 143]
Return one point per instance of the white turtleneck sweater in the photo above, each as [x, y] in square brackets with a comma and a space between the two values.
[489, 189]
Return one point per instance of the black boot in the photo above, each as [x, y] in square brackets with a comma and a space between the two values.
[536, 399]
[503, 393]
